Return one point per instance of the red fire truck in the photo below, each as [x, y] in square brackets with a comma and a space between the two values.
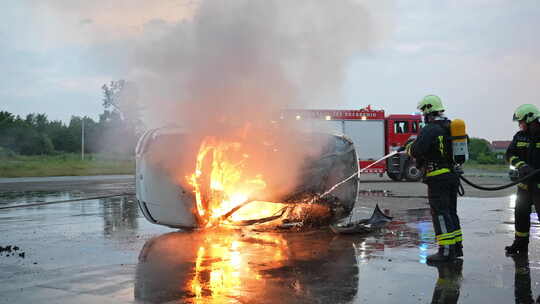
[374, 136]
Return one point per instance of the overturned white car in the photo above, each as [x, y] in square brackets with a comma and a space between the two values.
[184, 181]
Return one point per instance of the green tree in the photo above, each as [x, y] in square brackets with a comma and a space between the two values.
[477, 147]
[121, 121]
[111, 92]
[116, 131]
[7, 129]
[31, 142]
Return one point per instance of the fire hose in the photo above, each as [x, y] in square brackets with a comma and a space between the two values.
[520, 180]
[461, 191]
[36, 204]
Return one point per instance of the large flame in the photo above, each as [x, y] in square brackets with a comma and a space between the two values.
[222, 182]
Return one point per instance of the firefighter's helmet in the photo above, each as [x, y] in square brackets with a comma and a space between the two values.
[526, 112]
[430, 104]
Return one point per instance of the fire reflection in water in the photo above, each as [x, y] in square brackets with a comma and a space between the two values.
[229, 266]
[221, 264]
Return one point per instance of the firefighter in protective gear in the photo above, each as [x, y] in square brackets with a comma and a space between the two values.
[524, 154]
[433, 152]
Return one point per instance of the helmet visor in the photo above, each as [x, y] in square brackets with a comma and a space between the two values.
[425, 108]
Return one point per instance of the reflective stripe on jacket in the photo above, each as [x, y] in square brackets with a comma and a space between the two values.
[525, 150]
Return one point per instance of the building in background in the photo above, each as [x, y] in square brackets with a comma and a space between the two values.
[499, 147]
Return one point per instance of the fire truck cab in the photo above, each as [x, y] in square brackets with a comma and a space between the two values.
[374, 135]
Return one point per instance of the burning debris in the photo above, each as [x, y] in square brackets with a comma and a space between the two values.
[294, 215]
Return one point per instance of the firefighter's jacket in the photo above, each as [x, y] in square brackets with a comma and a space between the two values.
[432, 149]
[525, 150]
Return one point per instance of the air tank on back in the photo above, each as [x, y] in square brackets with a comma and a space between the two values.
[459, 141]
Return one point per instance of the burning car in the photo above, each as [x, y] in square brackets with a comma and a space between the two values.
[187, 181]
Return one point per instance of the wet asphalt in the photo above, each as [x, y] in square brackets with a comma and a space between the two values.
[103, 250]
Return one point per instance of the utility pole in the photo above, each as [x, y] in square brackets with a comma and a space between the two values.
[82, 140]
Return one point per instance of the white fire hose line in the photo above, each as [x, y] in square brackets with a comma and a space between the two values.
[34, 204]
[379, 160]
[353, 176]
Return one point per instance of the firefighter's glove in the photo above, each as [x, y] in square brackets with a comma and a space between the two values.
[525, 170]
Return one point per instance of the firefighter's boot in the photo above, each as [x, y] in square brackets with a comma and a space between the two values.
[444, 254]
[520, 245]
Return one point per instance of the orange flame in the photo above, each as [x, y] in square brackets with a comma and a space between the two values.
[221, 183]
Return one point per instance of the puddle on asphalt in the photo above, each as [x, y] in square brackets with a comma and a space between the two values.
[321, 267]
[244, 266]
[317, 266]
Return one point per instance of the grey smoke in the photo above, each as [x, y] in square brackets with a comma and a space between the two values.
[230, 69]
[248, 58]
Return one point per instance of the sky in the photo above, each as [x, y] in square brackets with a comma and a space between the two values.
[479, 56]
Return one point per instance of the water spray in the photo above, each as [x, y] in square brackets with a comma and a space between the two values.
[356, 174]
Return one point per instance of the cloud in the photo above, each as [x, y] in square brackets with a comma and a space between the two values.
[89, 22]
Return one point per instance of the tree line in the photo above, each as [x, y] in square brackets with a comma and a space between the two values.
[116, 131]
[36, 134]
[480, 151]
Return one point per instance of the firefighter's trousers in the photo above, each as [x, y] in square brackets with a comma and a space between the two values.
[442, 195]
[522, 213]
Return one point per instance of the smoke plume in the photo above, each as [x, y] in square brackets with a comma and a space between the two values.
[231, 68]
[248, 58]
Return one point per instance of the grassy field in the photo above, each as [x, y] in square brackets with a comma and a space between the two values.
[72, 165]
[63, 165]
